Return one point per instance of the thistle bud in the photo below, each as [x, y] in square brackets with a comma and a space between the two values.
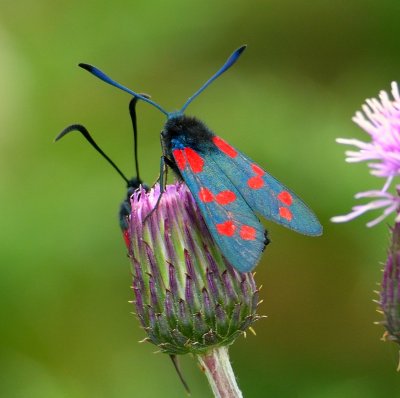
[390, 289]
[188, 298]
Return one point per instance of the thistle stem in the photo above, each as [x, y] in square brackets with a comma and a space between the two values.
[219, 372]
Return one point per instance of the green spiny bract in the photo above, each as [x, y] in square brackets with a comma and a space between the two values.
[390, 289]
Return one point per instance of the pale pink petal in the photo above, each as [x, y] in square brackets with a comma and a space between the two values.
[380, 119]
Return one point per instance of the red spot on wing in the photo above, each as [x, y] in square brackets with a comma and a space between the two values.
[284, 212]
[226, 228]
[127, 238]
[258, 170]
[286, 198]
[225, 147]
[225, 197]
[247, 232]
[205, 195]
[179, 158]
[196, 162]
[255, 182]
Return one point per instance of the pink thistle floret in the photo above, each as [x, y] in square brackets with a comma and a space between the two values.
[380, 118]
[383, 200]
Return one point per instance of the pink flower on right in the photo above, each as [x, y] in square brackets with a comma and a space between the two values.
[380, 118]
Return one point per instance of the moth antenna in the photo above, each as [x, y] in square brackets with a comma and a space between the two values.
[230, 61]
[85, 133]
[132, 112]
[102, 76]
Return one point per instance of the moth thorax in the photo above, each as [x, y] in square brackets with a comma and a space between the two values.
[187, 130]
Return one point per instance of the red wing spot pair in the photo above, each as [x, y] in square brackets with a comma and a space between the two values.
[286, 198]
[222, 198]
[256, 182]
[196, 162]
[228, 228]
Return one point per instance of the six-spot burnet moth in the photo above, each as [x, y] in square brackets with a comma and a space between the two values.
[228, 187]
[131, 184]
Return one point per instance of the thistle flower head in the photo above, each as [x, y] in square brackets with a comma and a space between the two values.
[380, 118]
[188, 298]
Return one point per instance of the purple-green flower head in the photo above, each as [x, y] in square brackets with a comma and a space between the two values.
[188, 298]
[390, 289]
[380, 118]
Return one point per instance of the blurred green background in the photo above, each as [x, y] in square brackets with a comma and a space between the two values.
[66, 328]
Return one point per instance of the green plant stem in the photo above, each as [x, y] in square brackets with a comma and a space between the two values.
[219, 372]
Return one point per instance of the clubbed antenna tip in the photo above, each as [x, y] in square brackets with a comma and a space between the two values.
[102, 76]
[229, 62]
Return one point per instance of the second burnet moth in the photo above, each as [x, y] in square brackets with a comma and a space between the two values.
[228, 187]
[132, 184]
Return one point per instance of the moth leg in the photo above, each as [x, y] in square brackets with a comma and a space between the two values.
[174, 360]
[163, 174]
[162, 180]
[168, 162]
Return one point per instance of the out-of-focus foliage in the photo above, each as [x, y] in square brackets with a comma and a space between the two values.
[64, 280]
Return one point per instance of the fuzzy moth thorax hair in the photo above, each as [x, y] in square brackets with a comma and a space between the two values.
[189, 131]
